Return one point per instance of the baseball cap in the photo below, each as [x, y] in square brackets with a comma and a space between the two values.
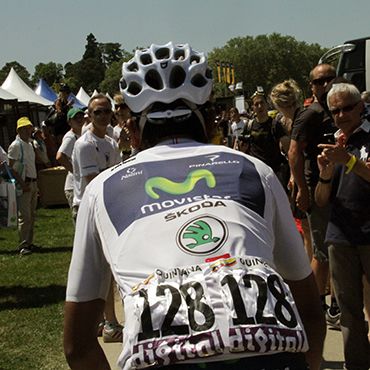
[35, 131]
[72, 112]
[22, 122]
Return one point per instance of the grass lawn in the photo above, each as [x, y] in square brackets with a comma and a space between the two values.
[32, 294]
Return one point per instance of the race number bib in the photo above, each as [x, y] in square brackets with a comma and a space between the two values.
[232, 307]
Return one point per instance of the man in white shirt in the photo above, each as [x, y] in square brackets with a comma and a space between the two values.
[237, 125]
[75, 118]
[93, 153]
[21, 154]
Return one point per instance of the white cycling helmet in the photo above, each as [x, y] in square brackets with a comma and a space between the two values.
[164, 74]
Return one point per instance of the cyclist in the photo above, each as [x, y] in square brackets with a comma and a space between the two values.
[198, 237]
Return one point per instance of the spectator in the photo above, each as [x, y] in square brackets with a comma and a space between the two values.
[310, 126]
[264, 136]
[21, 154]
[75, 119]
[42, 159]
[236, 126]
[120, 132]
[345, 181]
[50, 142]
[93, 153]
[178, 226]
[285, 97]
[62, 106]
[365, 96]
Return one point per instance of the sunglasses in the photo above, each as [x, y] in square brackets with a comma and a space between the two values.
[122, 106]
[98, 112]
[322, 81]
[346, 109]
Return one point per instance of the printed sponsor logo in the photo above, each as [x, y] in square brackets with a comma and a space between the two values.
[155, 207]
[131, 172]
[185, 187]
[202, 235]
[176, 349]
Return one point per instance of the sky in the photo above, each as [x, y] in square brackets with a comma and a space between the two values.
[55, 31]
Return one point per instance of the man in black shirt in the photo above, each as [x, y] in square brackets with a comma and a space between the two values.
[308, 131]
[266, 135]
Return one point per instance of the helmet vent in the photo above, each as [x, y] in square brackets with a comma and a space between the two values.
[146, 59]
[134, 88]
[194, 59]
[133, 67]
[209, 73]
[163, 53]
[123, 84]
[177, 77]
[179, 55]
[198, 80]
[154, 80]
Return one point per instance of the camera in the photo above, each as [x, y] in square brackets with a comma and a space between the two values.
[246, 138]
[329, 139]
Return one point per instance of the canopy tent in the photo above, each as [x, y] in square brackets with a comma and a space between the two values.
[111, 100]
[44, 90]
[5, 95]
[17, 87]
[82, 96]
[77, 103]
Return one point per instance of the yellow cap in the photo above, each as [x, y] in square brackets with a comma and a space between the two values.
[22, 122]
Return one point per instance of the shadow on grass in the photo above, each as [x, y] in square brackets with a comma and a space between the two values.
[41, 251]
[20, 297]
[331, 365]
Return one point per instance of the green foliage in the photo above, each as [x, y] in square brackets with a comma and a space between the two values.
[32, 294]
[21, 71]
[50, 72]
[88, 73]
[266, 60]
[92, 50]
[113, 74]
[263, 60]
[111, 53]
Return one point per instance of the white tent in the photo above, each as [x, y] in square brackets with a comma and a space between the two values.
[6, 95]
[82, 96]
[14, 85]
[111, 100]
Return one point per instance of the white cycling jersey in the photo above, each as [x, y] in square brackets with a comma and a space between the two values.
[198, 238]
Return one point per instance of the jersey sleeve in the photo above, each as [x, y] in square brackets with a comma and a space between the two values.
[303, 126]
[67, 146]
[86, 154]
[89, 273]
[14, 151]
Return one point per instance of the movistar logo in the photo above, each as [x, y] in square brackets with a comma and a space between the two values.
[171, 187]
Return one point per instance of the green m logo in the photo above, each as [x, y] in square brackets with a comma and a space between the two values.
[171, 187]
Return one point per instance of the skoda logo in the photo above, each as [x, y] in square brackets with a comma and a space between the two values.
[202, 235]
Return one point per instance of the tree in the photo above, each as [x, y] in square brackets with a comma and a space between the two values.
[50, 72]
[21, 71]
[92, 49]
[113, 74]
[265, 61]
[87, 73]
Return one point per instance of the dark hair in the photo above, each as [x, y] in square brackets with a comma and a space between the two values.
[191, 128]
